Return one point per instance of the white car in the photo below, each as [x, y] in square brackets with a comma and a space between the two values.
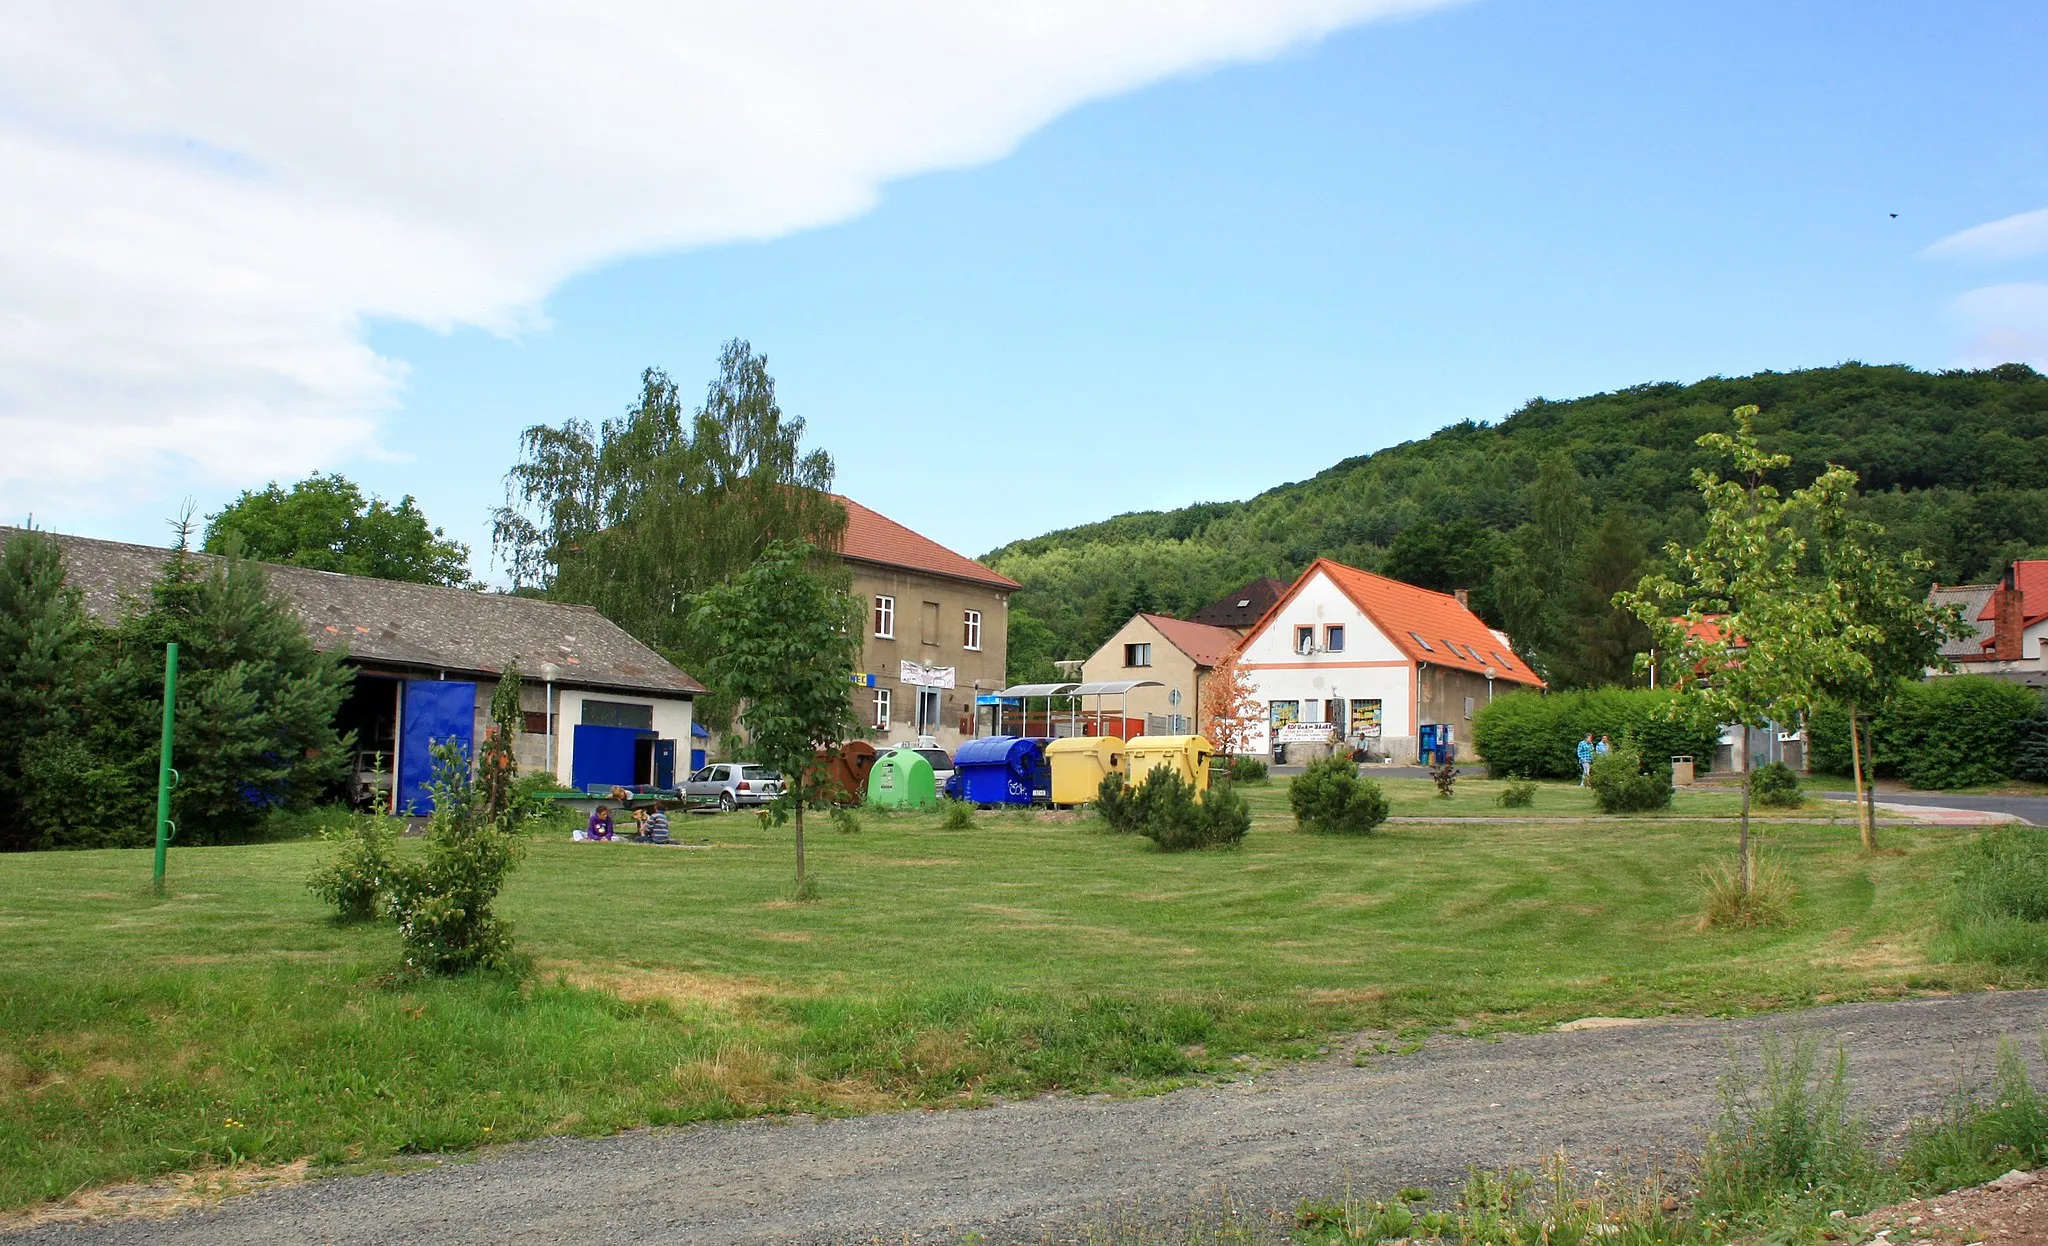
[732, 785]
[927, 748]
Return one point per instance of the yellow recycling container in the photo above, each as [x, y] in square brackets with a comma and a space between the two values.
[1187, 754]
[1078, 765]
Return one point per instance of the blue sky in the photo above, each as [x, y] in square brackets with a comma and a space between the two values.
[1206, 286]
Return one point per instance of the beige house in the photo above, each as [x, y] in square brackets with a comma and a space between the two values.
[938, 626]
[1177, 653]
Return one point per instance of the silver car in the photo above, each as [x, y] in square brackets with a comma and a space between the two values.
[733, 784]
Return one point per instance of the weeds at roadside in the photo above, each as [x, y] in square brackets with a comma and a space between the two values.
[845, 821]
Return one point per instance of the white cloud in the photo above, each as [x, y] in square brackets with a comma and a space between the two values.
[203, 202]
[2018, 237]
[2005, 324]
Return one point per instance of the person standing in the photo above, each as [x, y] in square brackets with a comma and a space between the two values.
[1603, 748]
[1585, 758]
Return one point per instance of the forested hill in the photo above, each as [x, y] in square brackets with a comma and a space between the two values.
[1544, 514]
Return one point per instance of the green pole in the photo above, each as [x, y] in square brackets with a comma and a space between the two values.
[166, 778]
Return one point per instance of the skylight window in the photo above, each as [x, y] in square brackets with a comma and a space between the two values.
[1503, 661]
[1246, 602]
[1453, 648]
[1426, 646]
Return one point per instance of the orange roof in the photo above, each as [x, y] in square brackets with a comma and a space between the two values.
[2030, 576]
[876, 538]
[1427, 626]
[1206, 643]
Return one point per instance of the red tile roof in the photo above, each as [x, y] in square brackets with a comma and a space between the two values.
[2030, 576]
[876, 538]
[1426, 626]
[1207, 645]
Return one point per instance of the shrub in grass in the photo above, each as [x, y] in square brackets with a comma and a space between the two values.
[1768, 901]
[1997, 909]
[443, 898]
[1329, 798]
[956, 815]
[1179, 821]
[1972, 1140]
[1246, 770]
[1775, 785]
[1446, 780]
[353, 880]
[1518, 794]
[1620, 786]
[845, 821]
[1116, 803]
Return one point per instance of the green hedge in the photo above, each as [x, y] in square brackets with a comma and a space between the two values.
[1534, 735]
[1956, 731]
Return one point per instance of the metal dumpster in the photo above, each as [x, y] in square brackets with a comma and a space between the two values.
[902, 780]
[841, 772]
[1001, 770]
[1188, 755]
[1078, 764]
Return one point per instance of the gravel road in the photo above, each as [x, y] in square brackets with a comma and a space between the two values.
[1021, 1171]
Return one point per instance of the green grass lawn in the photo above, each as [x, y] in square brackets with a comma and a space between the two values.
[1475, 797]
[232, 1020]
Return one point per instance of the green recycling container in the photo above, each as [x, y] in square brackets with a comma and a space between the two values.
[902, 780]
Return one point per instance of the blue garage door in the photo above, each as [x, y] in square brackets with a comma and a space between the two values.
[605, 757]
[436, 711]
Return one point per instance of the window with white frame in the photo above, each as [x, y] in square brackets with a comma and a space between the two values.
[881, 709]
[885, 618]
[970, 630]
[927, 711]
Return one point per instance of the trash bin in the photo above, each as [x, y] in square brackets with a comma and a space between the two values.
[1681, 772]
[1078, 765]
[841, 773]
[1001, 770]
[902, 780]
[1187, 755]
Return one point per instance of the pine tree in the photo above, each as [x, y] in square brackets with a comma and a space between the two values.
[44, 644]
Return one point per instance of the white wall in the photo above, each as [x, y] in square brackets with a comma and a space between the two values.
[672, 717]
[1369, 668]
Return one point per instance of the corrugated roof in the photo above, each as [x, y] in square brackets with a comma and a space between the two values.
[876, 538]
[1426, 626]
[1205, 644]
[419, 626]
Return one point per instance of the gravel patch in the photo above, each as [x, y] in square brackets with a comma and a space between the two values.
[1614, 1097]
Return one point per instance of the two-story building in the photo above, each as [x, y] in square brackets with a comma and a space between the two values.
[1375, 658]
[1176, 653]
[938, 626]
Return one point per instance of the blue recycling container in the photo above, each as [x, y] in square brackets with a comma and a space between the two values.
[1002, 770]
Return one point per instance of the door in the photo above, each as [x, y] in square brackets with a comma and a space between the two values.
[437, 711]
[603, 756]
[665, 763]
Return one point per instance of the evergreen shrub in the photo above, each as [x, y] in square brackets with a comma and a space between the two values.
[1620, 785]
[1165, 809]
[1329, 798]
[1774, 784]
[1246, 770]
[1535, 735]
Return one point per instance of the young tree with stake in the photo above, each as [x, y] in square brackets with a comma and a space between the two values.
[1779, 637]
[788, 636]
[1230, 708]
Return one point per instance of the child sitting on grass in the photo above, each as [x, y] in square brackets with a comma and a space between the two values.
[600, 827]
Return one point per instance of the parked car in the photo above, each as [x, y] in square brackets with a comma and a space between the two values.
[733, 784]
[927, 748]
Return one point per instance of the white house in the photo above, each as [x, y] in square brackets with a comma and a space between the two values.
[1375, 658]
